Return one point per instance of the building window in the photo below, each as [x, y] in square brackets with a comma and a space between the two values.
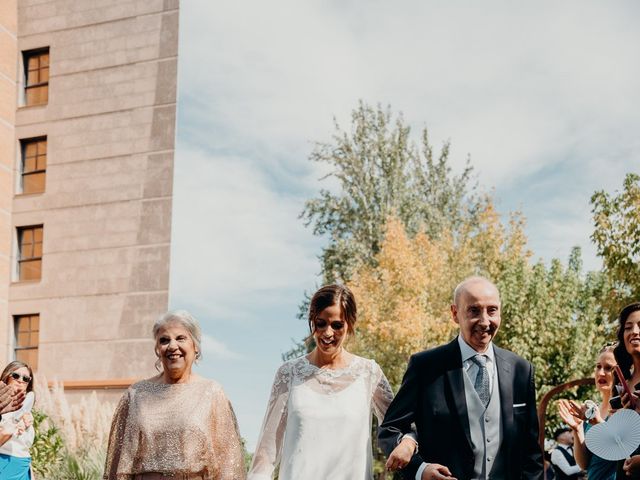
[36, 69]
[27, 329]
[34, 165]
[29, 253]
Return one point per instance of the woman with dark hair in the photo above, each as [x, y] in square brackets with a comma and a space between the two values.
[16, 430]
[627, 354]
[318, 419]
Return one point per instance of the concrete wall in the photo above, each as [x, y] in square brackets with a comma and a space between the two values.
[106, 210]
[8, 66]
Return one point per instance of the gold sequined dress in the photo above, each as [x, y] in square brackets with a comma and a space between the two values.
[177, 431]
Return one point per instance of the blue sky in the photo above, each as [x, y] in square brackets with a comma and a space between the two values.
[543, 97]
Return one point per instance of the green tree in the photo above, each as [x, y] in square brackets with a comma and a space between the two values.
[382, 172]
[551, 315]
[617, 237]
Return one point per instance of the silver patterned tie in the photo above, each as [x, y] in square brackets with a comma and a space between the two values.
[482, 379]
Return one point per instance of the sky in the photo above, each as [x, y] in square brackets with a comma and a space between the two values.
[542, 97]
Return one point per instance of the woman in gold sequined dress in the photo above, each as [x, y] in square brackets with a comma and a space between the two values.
[176, 425]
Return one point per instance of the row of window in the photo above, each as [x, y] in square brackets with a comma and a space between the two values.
[34, 150]
[32, 175]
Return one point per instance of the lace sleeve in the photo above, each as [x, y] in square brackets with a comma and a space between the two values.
[382, 394]
[267, 454]
[116, 439]
[226, 439]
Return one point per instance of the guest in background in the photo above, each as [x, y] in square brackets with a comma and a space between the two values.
[580, 417]
[562, 459]
[16, 428]
[176, 424]
[627, 355]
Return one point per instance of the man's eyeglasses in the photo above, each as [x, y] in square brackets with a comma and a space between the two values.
[17, 376]
[335, 325]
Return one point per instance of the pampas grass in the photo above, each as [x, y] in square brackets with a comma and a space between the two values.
[84, 427]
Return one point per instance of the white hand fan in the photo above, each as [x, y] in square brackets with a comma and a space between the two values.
[616, 438]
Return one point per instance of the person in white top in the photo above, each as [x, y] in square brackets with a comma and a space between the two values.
[16, 428]
[318, 419]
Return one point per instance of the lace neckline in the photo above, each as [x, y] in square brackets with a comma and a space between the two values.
[331, 372]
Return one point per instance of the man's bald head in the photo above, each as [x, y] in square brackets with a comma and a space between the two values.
[464, 285]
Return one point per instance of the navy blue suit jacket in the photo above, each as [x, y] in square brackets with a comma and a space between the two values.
[432, 397]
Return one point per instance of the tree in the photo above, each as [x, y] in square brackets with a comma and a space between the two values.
[550, 315]
[381, 172]
[617, 237]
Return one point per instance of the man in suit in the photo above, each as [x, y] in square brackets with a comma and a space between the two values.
[473, 404]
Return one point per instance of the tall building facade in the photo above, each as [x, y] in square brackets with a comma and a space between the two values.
[87, 135]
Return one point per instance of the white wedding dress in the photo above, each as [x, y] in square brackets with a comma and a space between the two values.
[318, 421]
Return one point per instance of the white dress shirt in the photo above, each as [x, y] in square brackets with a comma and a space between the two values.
[559, 460]
[471, 369]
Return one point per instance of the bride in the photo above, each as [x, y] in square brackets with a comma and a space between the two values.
[318, 419]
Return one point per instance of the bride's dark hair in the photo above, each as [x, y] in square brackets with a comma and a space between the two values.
[334, 295]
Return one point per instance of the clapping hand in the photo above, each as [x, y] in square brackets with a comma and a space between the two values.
[571, 412]
[10, 399]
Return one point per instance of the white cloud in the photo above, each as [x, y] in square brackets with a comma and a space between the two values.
[510, 84]
[212, 347]
[543, 96]
[236, 239]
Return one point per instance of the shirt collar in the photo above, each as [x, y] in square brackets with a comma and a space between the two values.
[467, 352]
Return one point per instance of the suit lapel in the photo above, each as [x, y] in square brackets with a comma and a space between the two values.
[505, 385]
[456, 385]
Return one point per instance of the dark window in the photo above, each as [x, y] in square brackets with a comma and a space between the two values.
[34, 164]
[30, 253]
[27, 328]
[36, 68]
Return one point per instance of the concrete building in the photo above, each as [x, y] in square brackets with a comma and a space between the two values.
[87, 134]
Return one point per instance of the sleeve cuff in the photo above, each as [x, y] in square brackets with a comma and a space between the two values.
[413, 438]
[421, 469]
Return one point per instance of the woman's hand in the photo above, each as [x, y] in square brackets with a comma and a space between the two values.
[631, 466]
[27, 418]
[571, 413]
[626, 401]
[25, 422]
[401, 455]
[20, 428]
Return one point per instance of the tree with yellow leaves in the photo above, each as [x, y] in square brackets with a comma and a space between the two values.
[405, 295]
